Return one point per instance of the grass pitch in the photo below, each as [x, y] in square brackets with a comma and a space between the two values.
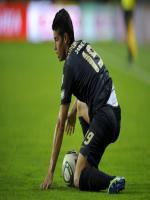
[30, 79]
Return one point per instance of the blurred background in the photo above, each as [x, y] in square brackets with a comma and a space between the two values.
[31, 20]
[30, 79]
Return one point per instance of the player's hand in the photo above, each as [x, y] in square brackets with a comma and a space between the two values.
[47, 182]
[70, 124]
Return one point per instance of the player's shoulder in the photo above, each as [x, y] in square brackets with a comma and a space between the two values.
[76, 47]
[74, 51]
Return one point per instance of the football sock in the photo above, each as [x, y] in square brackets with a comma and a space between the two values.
[91, 179]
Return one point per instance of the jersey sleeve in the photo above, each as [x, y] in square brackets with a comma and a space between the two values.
[67, 84]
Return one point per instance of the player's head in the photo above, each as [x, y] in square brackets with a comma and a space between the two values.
[63, 33]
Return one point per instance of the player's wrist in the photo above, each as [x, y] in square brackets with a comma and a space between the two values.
[50, 170]
[50, 174]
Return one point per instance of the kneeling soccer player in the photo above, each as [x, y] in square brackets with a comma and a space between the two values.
[86, 77]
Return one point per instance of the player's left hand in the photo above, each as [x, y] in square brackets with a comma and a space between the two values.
[47, 182]
[70, 124]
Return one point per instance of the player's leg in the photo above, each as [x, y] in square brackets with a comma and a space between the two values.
[90, 178]
[82, 110]
[82, 163]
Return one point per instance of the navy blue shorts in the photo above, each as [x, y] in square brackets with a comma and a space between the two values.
[102, 130]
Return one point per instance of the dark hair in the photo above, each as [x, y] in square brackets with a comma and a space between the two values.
[63, 24]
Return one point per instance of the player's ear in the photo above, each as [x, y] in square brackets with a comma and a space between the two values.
[66, 38]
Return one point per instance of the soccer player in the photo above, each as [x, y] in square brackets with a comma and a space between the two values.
[85, 76]
[128, 10]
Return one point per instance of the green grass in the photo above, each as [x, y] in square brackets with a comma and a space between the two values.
[30, 78]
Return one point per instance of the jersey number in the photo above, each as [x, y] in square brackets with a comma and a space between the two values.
[92, 58]
[88, 137]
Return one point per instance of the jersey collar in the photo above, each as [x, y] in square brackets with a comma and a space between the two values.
[74, 44]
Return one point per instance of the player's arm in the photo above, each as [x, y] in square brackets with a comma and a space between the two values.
[57, 141]
[78, 107]
[71, 119]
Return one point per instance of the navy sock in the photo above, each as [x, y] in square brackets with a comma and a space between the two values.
[91, 179]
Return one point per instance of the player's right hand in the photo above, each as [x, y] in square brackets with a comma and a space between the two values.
[47, 182]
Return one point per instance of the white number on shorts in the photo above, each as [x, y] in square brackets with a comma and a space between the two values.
[88, 137]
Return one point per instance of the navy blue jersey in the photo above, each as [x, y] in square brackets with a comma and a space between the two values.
[85, 76]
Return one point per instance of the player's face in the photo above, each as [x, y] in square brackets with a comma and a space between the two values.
[60, 45]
